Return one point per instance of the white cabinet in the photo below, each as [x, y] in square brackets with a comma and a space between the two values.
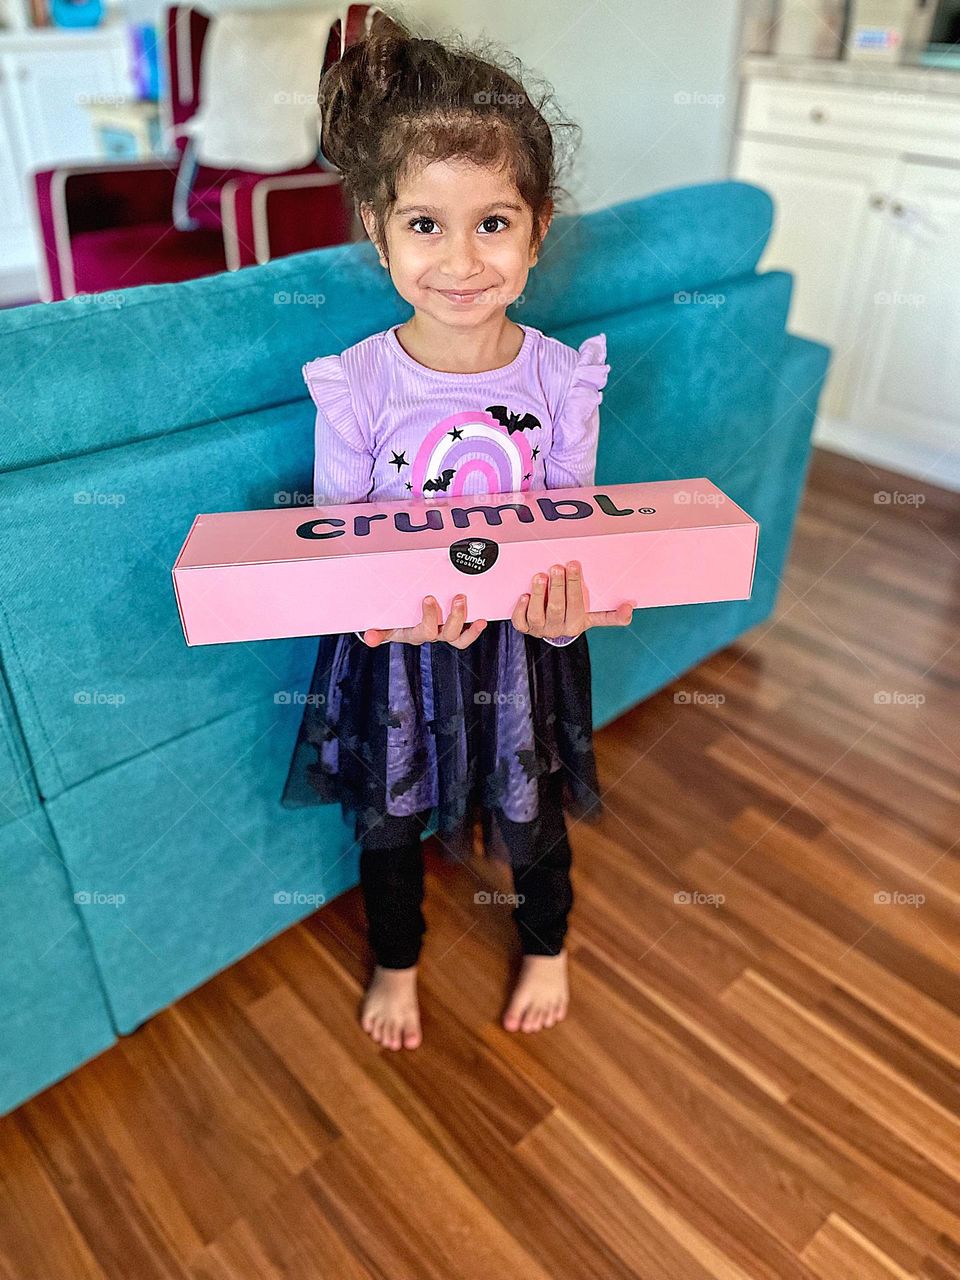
[866, 187]
[908, 391]
[46, 78]
[825, 226]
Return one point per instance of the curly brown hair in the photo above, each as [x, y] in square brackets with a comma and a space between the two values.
[395, 100]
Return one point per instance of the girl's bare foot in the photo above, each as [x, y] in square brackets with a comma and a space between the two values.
[542, 994]
[391, 1012]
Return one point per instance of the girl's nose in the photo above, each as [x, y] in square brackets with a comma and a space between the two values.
[461, 261]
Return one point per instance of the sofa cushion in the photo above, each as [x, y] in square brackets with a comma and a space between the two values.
[194, 859]
[53, 1013]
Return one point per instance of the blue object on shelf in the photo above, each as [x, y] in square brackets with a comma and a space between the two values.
[145, 61]
[76, 13]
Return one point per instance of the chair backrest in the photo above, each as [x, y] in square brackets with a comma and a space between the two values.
[186, 27]
[196, 200]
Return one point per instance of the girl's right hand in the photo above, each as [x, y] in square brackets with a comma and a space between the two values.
[431, 627]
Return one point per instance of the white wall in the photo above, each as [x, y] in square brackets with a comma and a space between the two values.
[617, 67]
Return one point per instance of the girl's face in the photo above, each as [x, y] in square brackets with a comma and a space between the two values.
[458, 242]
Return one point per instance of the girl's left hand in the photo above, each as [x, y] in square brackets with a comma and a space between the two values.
[562, 613]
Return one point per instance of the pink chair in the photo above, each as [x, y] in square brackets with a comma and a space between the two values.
[112, 226]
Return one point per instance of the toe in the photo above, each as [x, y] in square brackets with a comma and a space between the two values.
[411, 1035]
[512, 1018]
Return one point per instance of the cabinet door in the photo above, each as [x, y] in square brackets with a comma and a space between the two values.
[827, 219]
[50, 90]
[908, 396]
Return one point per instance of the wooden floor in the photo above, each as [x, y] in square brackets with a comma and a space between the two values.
[758, 1077]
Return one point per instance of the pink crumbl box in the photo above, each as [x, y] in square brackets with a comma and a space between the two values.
[264, 575]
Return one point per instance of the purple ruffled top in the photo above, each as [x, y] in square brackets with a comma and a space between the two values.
[389, 428]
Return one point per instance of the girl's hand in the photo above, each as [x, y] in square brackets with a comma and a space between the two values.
[563, 613]
[431, 627]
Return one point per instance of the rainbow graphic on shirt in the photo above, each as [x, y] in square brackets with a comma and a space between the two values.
[443, 463]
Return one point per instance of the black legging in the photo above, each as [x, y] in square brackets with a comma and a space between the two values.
[393, 891]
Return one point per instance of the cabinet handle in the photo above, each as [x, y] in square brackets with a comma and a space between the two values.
[897, 209]
[817, 115]
[877, 201]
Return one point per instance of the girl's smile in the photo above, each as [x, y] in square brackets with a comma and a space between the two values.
[461, 296]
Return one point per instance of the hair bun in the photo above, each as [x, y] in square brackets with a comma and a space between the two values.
[387, 47]
[366, 77]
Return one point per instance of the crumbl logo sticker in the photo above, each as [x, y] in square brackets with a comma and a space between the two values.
[474, 555]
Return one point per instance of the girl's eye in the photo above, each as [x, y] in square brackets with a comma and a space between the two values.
[415, 223]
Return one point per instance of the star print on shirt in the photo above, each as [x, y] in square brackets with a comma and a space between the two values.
[456, 434]
[399, 460]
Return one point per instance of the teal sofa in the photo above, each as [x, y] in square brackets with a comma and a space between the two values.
[144, 847]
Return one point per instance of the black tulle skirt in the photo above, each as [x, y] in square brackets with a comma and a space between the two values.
[407, 738]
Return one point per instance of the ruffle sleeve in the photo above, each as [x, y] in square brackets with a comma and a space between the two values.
[572, 459]
[342, 459]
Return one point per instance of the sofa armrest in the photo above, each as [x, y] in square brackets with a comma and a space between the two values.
[271, 215]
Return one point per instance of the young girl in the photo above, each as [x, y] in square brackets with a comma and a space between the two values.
[453, 170]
